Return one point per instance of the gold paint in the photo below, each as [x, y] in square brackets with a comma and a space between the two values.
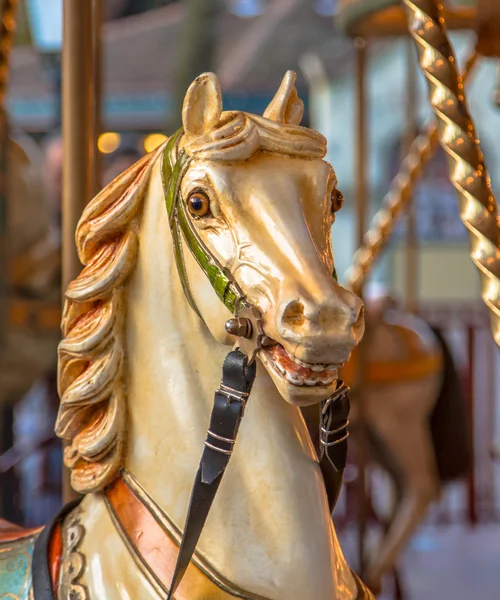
[468, 173]
[376, 238]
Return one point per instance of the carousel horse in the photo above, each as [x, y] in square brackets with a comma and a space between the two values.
[29, 345]
[414, 419]
[30, 298]
[218, 238]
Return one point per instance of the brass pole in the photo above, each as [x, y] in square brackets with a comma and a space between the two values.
[468, 174]
[375, 240]
[77, 127]
[97, 17]
[78, 138]
[361, 137]
[361, 205]
[412, 263]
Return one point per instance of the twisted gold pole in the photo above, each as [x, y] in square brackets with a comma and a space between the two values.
[375, 240]
[468, 174]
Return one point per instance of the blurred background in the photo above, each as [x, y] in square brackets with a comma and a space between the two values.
[151, 51]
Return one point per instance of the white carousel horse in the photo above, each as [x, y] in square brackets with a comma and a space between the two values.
[138, 366]
[414, 420]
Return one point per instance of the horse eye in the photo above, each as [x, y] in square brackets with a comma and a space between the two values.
[337, 200]
[198, 204]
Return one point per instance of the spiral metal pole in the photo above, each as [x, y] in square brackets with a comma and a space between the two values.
[457, 135]
[375, 240]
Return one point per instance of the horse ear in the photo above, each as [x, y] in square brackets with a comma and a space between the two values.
[202, 106]
[286, 106]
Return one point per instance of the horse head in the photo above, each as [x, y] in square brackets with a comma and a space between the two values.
[263, 200]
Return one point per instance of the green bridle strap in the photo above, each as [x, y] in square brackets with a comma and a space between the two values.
[170, 189]
[226, 288]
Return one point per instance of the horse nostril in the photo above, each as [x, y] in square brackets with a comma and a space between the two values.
[293, 315]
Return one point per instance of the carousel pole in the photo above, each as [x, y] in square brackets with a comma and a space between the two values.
[77, 123]
[361, 205]
[412, 260]
[78, 127]
[468, 173]
[97, 19]
[419, 154]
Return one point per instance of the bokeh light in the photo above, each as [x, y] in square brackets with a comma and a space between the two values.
[108, 142]
[153, 140]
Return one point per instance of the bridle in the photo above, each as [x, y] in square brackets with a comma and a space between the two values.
[247, 320]
[239, 368]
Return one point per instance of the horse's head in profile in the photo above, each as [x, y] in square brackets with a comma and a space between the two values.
[263, 200]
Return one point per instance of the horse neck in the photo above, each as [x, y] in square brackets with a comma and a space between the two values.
[174, 367]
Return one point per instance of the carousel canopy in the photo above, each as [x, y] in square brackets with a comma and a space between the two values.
[140, 53]
[377, 18]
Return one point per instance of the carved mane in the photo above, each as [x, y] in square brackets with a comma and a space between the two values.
[92, 360]
[91, 356]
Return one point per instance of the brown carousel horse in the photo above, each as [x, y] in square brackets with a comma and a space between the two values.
[414, 419]
[219, 238]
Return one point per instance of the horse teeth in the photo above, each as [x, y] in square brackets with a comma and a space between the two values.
[314, 370]
[300, 362]
[316, 367]
[293, 378]
[281, 369]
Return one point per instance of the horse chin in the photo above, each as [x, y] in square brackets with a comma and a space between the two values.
[298, 394]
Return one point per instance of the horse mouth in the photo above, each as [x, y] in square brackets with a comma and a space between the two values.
[297, 372]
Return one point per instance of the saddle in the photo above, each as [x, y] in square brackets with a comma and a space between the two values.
[16, 554]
